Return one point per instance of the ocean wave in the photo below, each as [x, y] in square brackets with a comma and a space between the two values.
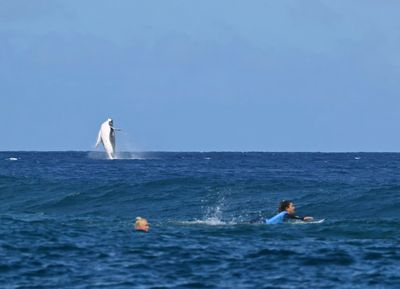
[231, 187]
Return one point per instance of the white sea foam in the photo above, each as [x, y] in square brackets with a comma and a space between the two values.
[118, 156]
[128, 156]
[12, 159]
[209, 221]
[72, 195]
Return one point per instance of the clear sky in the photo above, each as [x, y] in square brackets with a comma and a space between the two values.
[203, 75]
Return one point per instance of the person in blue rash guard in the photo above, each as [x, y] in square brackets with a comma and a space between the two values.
[286, 212]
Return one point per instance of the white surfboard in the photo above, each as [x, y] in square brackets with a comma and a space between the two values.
[309, 222]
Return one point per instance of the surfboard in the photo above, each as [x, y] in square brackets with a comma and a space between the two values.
[309, 222]
[316, 221]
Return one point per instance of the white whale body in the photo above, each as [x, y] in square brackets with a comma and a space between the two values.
[106, 136]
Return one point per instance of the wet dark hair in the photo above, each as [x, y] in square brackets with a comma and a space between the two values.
[283, 205]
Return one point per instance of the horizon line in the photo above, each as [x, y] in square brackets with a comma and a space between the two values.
[211, 151]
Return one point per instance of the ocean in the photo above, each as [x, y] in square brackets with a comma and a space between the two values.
[66, 220]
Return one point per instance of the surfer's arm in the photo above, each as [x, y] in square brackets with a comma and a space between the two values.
[294, 217]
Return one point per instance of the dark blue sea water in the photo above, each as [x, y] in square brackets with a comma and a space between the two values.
[66, 220]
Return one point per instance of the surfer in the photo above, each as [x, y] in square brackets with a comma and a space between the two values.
[141, 224]
[286, 212]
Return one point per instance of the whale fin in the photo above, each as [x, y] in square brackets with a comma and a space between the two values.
[98, 139]
[116, 129]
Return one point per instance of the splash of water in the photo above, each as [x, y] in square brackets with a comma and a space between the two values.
[129, 156]
[12, 159]
[213, 215]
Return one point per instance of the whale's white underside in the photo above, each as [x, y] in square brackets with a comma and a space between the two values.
[106, 136]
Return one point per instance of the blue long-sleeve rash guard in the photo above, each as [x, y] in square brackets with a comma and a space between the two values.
[283, 217]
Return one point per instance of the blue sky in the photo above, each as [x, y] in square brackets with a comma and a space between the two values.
[201, 75]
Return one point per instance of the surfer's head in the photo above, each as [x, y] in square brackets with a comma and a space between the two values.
[110, 121]
[288, 206]
[141, 224]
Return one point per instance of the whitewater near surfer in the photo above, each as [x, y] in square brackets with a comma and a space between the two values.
[106, 136]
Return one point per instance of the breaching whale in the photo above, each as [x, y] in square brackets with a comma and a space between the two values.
[107, 137]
